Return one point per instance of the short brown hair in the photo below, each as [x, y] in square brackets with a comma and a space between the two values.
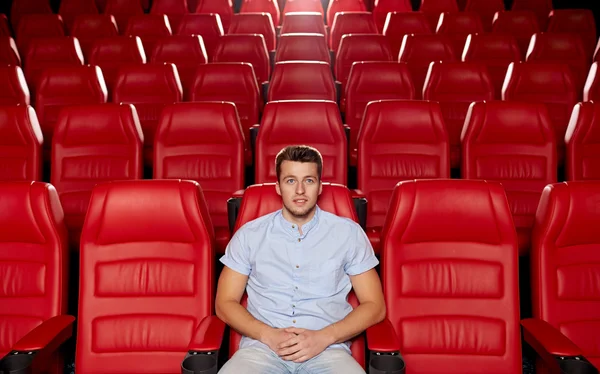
[299, 153]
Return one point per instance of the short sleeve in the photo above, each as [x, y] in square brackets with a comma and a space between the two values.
[236, 255]
[362, 257]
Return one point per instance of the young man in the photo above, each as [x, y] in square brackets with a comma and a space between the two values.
[298, 265]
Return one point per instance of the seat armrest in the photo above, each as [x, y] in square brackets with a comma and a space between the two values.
[202, 356]
[233, 208]
[382, 337]
[360, 205]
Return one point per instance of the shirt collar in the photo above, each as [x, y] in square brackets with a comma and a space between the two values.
[293, 228]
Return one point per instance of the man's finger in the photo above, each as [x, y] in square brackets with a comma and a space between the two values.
[288, 343]
[287, 352]
[295, 356]
[295, 330]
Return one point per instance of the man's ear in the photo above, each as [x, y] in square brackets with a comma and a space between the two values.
[278, 189]
[320, 187]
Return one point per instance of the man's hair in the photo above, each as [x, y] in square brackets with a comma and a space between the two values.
[299, 153]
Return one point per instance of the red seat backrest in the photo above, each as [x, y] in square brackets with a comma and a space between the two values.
[399, 24]
[303, 22]
[302, 46]
[89, 27]
[541, 9]
[486, 10]
[458, 26]
[591, 89]
[21, 8]
[255, 23]
[122, 10]
[582, 138]
[579, 21]
[434, 8]
[150, 28]
[224, 8]
[360, 47]
[20, 144]
[293, 6]
[302, 80]
[14, 87]
[172, 236]
[70, 9]
[33, 26]
[249, 48]
[521, 24]
[206, 25]
[383, 7]
[350, 23]
[175, 10]
[337, 6]
[4, 26]
[262, 6]
[9, 54]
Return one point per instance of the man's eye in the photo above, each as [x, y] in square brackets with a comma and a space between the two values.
[289, 181]
[309, 180]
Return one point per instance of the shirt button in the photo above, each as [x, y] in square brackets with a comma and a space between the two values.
[299, 239]
[296, 287]
[293, 226]
[294, 321]
[297, 266]
[293, 305]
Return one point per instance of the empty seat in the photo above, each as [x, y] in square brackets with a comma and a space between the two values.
[186, 52]
[313, 123]
[398, 140]
[520, 24]
[337, 6]
[87, 28]
[579, 21]
[458, 26]
[254, 23]
[21, 8]
[112, 53]
[399, 24]
[383, 7]
[293, 6]
[591, 90]
[168, 234]
[302, 80]
[4, 26]
[33, 26]
[262, 6]
[245, 48]
[419, 50]
[434, 8]
[303, 22]
[203, 142]
[149, 88]
[547, 83]
[302, 46]
[371, 81]
[541, 8]
[93, 144]
[9, 54]
[43, 53]
[206, 25]
[350, 23]
[455, 85]
[70, 9]
[496, 52]
[14, 87]
[582, 138]
[233, 82]
[360, 47]
[150, 28]
[224, 8]
[122, 10]
[20, 144]
[486, 10]
[440, 312]
[564, 48]
[512, 143]
[175, 10]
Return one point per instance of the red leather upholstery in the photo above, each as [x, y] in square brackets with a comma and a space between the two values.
[122, 10]
[547, 83]
[486, 10]
[224, 8]
[87, 28]
[302, 80]
[398, 140]
[20, 144]
[126, 317]
[458, 26]
[150, 28]
[34, 257]
[207, 25]
[451, 288]
[360, 47]
[93, 144]
[34, 26]
[186, 52]
[521, 24]
[9, 54]
[541, 8]
[383, 7]
[249, 48]
[371, 81]
[60, 87]
[43, 53]
[399, 24]
[419, 50]
[512, 143]
[149, 88]
[434, 8]
[233, 82]
[14, 88]
[293, 6]
[496, 52]
[173, 9]
[564, 48]
[21, 8]
[564, 261]
[338, 6]
[579, 21]
[302, 46]
[203, 142]
[4, 26]
[314, 123]
[350, 23]
[455, 85]
[70, 9]
[262, 6]
[303, 22]
[591, 89]
[582, 138]
[255, 23]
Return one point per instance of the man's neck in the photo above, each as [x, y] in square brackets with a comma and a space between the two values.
[298, 221]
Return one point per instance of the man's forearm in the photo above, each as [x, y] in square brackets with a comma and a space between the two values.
[238, 317]
[361, 318]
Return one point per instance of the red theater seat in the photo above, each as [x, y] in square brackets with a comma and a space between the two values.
[582, 138]
[302, 46]
[174, 9]
[20, 144]
[293, 6]
[340, 6]
[303, 22]
[9, 54]
[14, 88]
[360, 47]
[399, 24]
[434, 8]
[70, 9]
[521, 24]
[87, 28]
[4, 26]
[383, 7]
[541, 9]
[224, 8]
[34, 26]
[486, 10]
[150, 28]
[22, 8]
[302, 80]
[249, 48]
[458, 26]
[206, 25]
[262, 6]
[578, 21]
[255, 23]
[122, 10]
[591, 89]
[350, 23]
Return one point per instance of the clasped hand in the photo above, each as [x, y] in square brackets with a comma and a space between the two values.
[299, 345]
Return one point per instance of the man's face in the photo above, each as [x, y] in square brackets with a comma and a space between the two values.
[299, 187]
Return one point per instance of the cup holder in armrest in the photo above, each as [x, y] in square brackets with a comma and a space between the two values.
[199, 363]
[386, 363]
[17, 363]
[576, 365]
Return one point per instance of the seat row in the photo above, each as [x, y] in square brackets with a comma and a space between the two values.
[146, 290]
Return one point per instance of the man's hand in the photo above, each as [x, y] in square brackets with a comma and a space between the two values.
[275, 337]
[305, 344]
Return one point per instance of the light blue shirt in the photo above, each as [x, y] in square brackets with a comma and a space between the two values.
[299, 280]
